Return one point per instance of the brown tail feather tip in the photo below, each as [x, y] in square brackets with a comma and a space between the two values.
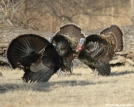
[71, 24]
[118, 36]
[70, 29]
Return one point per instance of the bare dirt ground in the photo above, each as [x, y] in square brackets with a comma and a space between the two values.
[82, 89]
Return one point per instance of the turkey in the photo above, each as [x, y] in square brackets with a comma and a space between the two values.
[66, 41]
[97, 50]
[36, 56]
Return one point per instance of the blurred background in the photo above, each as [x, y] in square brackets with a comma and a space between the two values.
[44, 17]
[48, 15]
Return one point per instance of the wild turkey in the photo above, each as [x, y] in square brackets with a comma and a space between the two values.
[97, 50]
[66, 41]
[36, 56]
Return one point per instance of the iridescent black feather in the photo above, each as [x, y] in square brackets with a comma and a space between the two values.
[36, 56]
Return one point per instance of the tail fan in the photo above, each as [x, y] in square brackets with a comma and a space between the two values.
[70, 30]
[25, 49]
[117, 35]
[73, 33]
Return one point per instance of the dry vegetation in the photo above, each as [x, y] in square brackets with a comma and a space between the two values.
[82, 89]
[48, 15]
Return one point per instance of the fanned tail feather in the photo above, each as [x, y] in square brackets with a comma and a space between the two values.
[70, 29]
[116, 36]
[25, 49]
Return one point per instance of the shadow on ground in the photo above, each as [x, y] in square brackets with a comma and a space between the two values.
[47, 86]
[121, 73]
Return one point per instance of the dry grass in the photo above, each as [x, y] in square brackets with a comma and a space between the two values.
[82, 89]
